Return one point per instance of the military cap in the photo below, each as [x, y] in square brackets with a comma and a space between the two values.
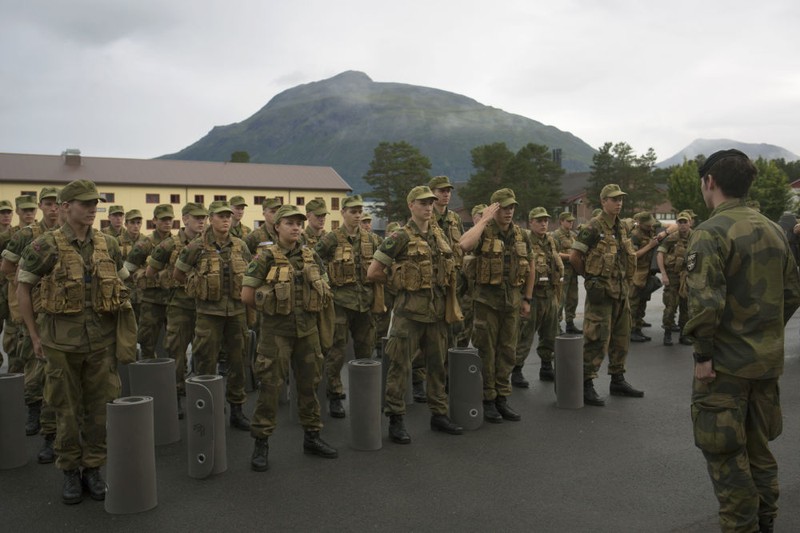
[644, 217]
[420, 192]
[5, 205]
[271, 203]
[237, 200]
[25, 202]
[163, 211]
[478, 209]
[219, 206]
[683, 215]
[538, 212]
[352, 201]
[566, 215]
[611, 190]
[440, 182]
[288, 211]
[317, 206]
[392, 227]
[48, 192]
[80, 190]
[690, 213]
[114, 209]
[366, 216]
[194, 209]
[717, 156]
[505, 197]
[133, 213]
[596, 212]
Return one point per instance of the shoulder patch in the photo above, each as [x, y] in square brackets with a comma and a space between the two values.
[691, 261]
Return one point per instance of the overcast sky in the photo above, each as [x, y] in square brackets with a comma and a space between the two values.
[142, 78]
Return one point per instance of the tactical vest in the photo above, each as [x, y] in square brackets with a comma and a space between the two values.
[492, 254]
[548, 271]
[675, 259]
[205, 282]
[419, 269]
[164, 277]
[602, 259]
[13, 302]
[346, 268]
[279, 295]
[142, 281]
[73, 285]
[451, 231]
[126, 244]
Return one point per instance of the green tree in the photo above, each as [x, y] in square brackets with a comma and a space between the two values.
[684, 189]
[394, 170]
[490, 162]
[770, 189]
[617, 163]
[792, 169]
[240, 157]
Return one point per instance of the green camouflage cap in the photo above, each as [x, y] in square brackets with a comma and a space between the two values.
[683, 215]
[392, 227]
[420, 192]
[288, 211]
[5, 205]
[611, 190]
[238, 200]
[596, 212]
[478, 209]
[114, 209]
[271, 203]
[195, 209]
[80, 190]
[352, 201]
[48, 192]
[25, 202]
[163, 211]
[538, 212]
[566, 215]
[366, 216]
[317, 206]
[440, 182]
[505, 197]
[644, 217]
[690, 213]
[133, 213]
[219, 206]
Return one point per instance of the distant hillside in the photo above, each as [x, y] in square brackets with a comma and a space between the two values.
[707, 147]
[338, 122]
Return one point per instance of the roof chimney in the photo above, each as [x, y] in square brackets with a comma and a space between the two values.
[72, 157]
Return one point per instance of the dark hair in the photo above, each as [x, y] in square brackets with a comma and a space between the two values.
[733, 172]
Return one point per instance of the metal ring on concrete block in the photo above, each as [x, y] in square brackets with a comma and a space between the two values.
[569, 371]
[13, 453]
[205, 419]
[365, 404]
[156, 378]
[466, 387]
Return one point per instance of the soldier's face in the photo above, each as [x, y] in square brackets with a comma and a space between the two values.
[164, 225]
[289, 229]
[366, 225]
[81, 212]
[221, 222]
[269, 214]
[352, 216]
[442, 196]
[316, 222]
[683, 227]
[567, 224]
[5, 217]
[134, 227]
[195, 223]
[49, 208]
[539, 225]
[421, 210]
[116, 220]
[26, 216]
[505, 215]
[238, 212]
[612, 206]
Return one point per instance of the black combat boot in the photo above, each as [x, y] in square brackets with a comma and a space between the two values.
[518, 380]
[571, 328]
[181, 414]
[32, 424]
[505, 410]
[620, 387]
[490, 412]
[638, 336]
[238, 419]
[46, 453]
[336, 408]
[444, 424]
[94, 483]
[259, 461]
[590, 396]
[667, 337]
[420, 396]
[766, 524]
[314, 445]
[72, 491]
[397, 430]
[546, 372]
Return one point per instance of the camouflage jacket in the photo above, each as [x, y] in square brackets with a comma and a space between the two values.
[357, 295]
[109, 230]
[240, 230]
[260, 238]
[161, 259]
[137, 259]
[564, 239]
[453, 229]
[743, 288]
[22, 238]
[674, 249]
[309, 238]
[606, 248]
[504, 296]
[548, 264]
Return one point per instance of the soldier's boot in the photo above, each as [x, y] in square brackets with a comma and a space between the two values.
[46, 453]
[647, 325]
[238, 419]
[72, 491]
[505, 410]
[638, 336]
[518, 380]
[667, 337]
[676, 328]
[259, 460]
[490, 412]
[397, 430]
[686, 341]
[546, 372]
[418, 391]
[590, 396]
[571, 328]
[766, 524]
[94, 483]
[336, 408]
[444, 424]
[32, 423]
[314, 445]
[620, 387]
[180, 409]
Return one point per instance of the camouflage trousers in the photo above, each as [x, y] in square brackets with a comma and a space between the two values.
[79, 385]
[211, 332]
[495, 337]
[35, 382]
[405, 339]
[277, 355]
[638, 303]
[362, 327]
[181, 324]
[152, 321]
[542, 320]
[465, 334]
[674, 303]
[569, 297]
[606, 328]
[734, 419]
[10, 336]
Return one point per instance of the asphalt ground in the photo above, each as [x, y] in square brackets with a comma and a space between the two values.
[629, 466]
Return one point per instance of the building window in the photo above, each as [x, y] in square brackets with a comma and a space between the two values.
[300, 201]
[152, 198]
[174, 198]
[334, 224]
[220, 197]
[259, 200]
[334, 203]
[199, 198]
[28, 193]
[108, 196]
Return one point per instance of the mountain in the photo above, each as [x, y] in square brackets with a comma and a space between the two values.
[707, 147]
[338, 122]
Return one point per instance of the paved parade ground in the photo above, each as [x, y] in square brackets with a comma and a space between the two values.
[629, 466]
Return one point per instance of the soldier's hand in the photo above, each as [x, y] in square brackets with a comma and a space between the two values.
[488, 212]
[665, 281]
[38, 351]
[704, 372]
[525, 310]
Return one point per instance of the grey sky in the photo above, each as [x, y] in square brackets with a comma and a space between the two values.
[142, 78]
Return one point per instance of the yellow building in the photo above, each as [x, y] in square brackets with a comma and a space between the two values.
[144, 183]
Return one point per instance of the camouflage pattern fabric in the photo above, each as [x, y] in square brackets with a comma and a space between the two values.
[674, 249]
[358, 295]
[569, 290]
[309, 238]
[214, 333]
[348, 322]
[152, 325]
[240, 231]
[640, 238]
[259, 237]
[111, 232]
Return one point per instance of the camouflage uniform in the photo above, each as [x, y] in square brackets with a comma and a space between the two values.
[743, 288]
[10, 327]
[260, 238]
[240, 231]
[111, 232]
[674, 249]
[126, 245]
[309, 238]
[640, 238]
[569, 290]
